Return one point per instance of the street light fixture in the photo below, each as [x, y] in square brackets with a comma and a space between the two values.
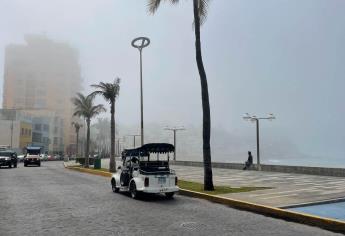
[256, 119]
[140, 43]
[174, 129]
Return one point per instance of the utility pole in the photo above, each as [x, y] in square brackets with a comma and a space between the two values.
[11, 132]
[134, 135]
[175, 129]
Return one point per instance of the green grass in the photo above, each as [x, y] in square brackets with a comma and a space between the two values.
[193, 186]
[102, 169]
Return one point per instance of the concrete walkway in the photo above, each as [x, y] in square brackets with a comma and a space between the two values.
[287, 189]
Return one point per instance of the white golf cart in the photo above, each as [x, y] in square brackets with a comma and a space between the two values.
[146, 170]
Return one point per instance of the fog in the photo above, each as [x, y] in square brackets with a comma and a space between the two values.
[284, 57]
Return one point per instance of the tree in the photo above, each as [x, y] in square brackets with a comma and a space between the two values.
[110, 91]
[84, 108]
[200, 8]
[77, 127]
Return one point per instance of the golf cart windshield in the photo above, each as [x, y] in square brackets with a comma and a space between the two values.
[33, 150]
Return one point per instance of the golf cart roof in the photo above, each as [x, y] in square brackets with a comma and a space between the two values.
[149, 148]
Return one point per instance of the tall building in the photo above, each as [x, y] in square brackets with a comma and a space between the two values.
[42, 76]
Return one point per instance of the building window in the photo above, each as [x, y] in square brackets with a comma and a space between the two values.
[46, 128]
[55, 140]
[22, 133]
[37, 126]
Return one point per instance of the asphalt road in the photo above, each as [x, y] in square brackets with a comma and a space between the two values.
[51, 200]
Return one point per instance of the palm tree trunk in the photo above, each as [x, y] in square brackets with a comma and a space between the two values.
[206, 129]
[87, 143]
[112, 166]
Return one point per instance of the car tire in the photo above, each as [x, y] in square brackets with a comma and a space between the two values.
[169, 195]
[39, 164]
[133, 190]
[25, 165]
[10, 165]
[113, 187]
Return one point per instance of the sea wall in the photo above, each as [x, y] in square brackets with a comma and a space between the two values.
[338, 172]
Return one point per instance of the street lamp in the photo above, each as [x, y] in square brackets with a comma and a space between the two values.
[174, 129]
[118, 149]
[140, 43]
[256, 119]
[133, 135]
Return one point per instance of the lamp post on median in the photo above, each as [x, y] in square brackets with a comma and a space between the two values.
[256, 119]
[174, 129]
[140, 43]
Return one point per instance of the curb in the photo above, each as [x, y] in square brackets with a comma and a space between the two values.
[91, 171]
[321, 222]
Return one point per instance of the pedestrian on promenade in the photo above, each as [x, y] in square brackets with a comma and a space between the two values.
[249, 162]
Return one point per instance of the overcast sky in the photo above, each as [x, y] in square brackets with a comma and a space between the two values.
[261, 56]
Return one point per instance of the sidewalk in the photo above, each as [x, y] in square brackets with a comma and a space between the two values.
[287, 189]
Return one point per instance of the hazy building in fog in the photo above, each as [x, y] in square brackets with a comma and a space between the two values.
[42, 76]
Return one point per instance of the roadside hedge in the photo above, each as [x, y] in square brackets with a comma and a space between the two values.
[81, 160]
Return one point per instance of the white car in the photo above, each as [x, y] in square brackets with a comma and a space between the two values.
[146, 170]
[21, 158]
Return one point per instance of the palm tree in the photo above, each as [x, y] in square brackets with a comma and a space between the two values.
[77, 127]
[84, 108]
[200, 13]
[110, 91]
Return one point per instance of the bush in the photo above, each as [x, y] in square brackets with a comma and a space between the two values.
[81, 160]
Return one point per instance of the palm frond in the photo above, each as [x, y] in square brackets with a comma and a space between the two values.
[203, 10]
[153, 5]
[203, 5]
[109, 91]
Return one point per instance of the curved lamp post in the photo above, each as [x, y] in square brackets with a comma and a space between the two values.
[140, 43]
[256, 119]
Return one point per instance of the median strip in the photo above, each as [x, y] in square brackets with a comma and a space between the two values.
[321, 222]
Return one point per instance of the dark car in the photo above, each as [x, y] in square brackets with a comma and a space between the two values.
[8, 158]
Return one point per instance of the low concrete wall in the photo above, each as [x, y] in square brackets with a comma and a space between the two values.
[337, 172]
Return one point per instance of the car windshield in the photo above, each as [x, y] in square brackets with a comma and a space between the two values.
[5, 154]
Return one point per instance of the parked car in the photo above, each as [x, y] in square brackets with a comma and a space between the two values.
[21, 158]
[32, 156]
[50, 158]
[8, 158]
[44, 157]
[141, 173]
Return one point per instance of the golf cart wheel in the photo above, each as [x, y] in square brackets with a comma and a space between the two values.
[169, 195]
[113, 186]
[133, 190]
